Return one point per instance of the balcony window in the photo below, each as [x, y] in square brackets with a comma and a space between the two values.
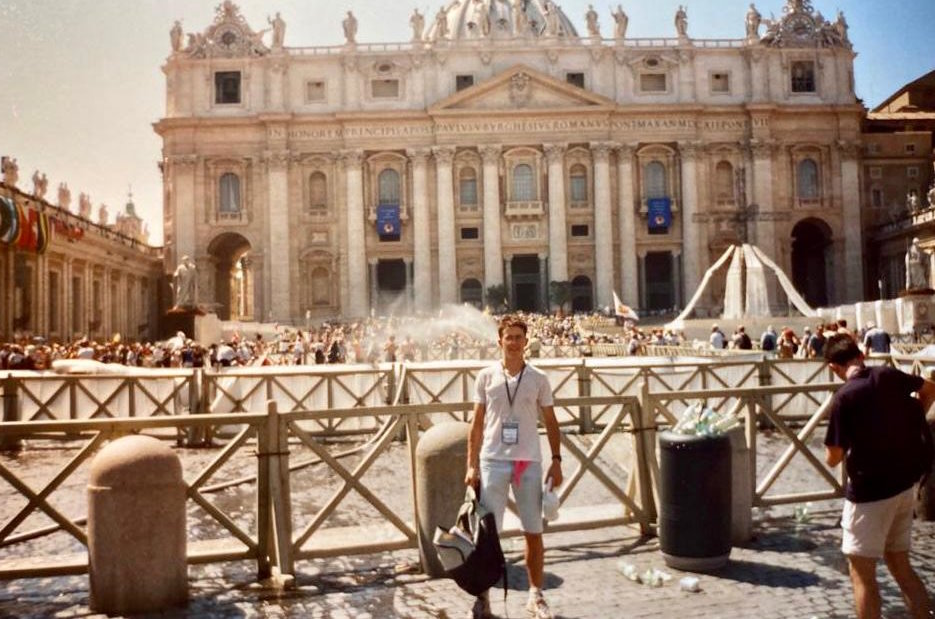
[524, 186]
[467, 187]
[229, 192]
[803, 76]
[807, 177]
[656, 180]
[227, 87]
[579, 183]
[388, 182]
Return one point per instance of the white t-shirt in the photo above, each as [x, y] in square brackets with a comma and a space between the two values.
[532, 391]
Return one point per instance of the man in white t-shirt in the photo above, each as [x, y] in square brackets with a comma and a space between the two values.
[504, 450]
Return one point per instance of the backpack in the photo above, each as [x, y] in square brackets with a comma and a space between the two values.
[470, 551]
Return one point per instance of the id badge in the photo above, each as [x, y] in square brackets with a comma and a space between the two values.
[509, 433]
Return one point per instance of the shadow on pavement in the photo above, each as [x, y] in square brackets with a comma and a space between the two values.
[766, 575]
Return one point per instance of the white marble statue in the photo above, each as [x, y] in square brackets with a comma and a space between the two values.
[840, 25]
[350, 28]
[753, 21]
[84, 205]
[930, 196]
[912, 202]
[185, 284]
[551, 19]
[481, 18]
[417, 22]
[279, 30]
[102, 215]
[520, 20]
[590, 18]
[40, 184]
[915, 267]
[681, 21]
[64, 196]
[621, 21]
[175, 36]
[10, 171]
[441, 24]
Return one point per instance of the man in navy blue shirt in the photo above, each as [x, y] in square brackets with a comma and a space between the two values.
[876, 427]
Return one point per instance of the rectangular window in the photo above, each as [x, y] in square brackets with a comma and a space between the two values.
[720, 83]
[579, 230]
[468, 192]
[575, 79]
[579, 188]
[463, 81]
[873, 148]
[653, 82]
[227, 87]
[314, 91]
[469, 234]
[384, 89]
[876, 197]
[876, 172]
[912, 172]
[910, 149]
[803, 76]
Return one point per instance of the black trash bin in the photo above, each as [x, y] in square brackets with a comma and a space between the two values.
[695, 496]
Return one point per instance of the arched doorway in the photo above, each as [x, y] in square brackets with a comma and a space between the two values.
[233, 277]
[811, 260]
[582, 295]
[472, 293]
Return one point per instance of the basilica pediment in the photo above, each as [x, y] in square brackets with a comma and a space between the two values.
[522, 88]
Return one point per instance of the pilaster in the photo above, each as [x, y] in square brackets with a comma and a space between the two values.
[444, 190]
[689, 152]
[493, 252]
[558, 234]
[356, 238]
[422, 235]
[629, 277]
[603, 222]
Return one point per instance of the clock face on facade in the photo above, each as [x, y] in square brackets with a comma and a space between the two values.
[800, 26]
[227, 37]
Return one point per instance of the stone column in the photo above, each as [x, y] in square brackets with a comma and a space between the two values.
[41, 307]
[409, 291]
[356, 236]
[558, 233]
[544, 276]
[677, 273]
[493, 250]
[508, 278]
[641, 267]
[444, 193]
[278, 266]
[184, 219]
[107, 313]
[765, 237]
[629, 278]
[603, 225]
[850, 207]
[421, 230]
[67, 330]
[374, 291]
[690, 246]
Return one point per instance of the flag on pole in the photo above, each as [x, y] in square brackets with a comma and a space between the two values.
[624, 311]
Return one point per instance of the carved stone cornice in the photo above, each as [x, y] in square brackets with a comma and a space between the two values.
[690, 151]
[848, 150]
[277, 159]
[490, 153]
[183, 161]
[625, 152]
[444, 155]
[351, 158]
[554, 153]
[763, 149]
[418, 156]
[600, 151]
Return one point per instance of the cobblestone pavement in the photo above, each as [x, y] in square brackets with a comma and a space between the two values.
[787, 570]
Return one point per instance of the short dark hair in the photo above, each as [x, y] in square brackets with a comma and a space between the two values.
[841, 349]
[510, 321]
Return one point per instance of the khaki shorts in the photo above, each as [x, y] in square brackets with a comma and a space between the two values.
[876, 527]
[496, 479]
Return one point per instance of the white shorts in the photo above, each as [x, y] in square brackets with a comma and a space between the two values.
[496, 479]
[875, 527]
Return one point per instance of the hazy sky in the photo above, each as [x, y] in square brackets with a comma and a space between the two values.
[80, 80]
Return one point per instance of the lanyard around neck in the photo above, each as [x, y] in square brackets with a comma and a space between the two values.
[511, 397]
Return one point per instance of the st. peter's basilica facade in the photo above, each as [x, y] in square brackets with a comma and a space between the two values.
[500, 147]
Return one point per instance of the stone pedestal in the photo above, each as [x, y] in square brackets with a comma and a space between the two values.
[886, 317]
[208, 329]
[866, 313]
[179, 319]
[915, 312]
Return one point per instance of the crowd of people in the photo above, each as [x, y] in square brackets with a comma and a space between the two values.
[407, 339]
[787, 344]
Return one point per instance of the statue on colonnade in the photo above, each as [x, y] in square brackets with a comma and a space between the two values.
[417, 22]
[175, 36]
[350, 28]
[40, 184]
[681, 21]
[594, 27]
[279, 30]
[621, 21]
[64, 196]
[753, 21]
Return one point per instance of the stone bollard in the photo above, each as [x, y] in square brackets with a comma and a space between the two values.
[441, 460]
[136, 528]
[741, 529]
